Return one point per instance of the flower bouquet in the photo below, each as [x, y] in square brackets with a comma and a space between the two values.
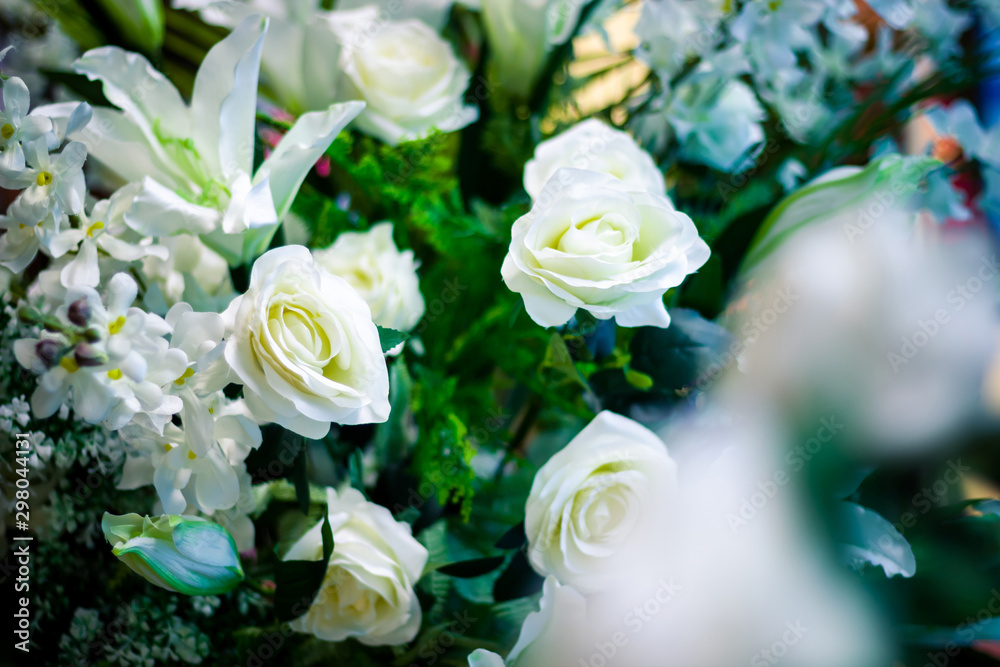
[499, 332]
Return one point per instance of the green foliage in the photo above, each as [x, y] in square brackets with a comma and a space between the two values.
[298, 581]
[443, 453]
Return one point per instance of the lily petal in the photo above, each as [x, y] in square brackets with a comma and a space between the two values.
[225, 99]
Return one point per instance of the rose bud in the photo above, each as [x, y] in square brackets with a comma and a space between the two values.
[184, 554]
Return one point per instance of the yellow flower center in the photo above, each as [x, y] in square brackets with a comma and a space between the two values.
[187, 373]
[117, 325]
[192, 456]
[44, 178]
[23, 225]
[7, 131]
[167, 447]
[97, 226]
[115, 374]
[69, 364]
[774, 5]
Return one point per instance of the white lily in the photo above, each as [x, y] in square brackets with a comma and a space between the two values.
[196, 161]
[522, 33]
[298, 63]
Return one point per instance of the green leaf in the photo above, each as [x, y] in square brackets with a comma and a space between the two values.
[469, 569]
[868, 538]
[140, 21]
[889, 179]
[298, 581]
[390, 338]
[393, 438]
[676, 358]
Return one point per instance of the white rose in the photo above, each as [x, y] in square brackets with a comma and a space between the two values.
[304, 345]
[594, 146]
[593, 505]
[384, 276]
[367, 592]
[408, 76]
[590, 243]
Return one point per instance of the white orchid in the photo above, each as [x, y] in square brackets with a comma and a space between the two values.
[196, 161]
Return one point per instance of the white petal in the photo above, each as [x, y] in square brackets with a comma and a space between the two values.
[82, 269]
[159, 211]
[301, 147]
[652, 314]
[135, 87]
[224, 101]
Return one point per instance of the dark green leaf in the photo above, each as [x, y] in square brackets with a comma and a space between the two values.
[298, 581]
[677, 357]
[517, 581]
[513, 538]
[390, 338]
[468, 569]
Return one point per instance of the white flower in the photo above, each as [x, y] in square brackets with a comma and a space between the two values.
[550, 635]
[22, 241]
[590, 243]
[774, 31]
[189, 260]
[592, 502]
[672, 31]
[410, 79]
[304, 345]
[196, 162]
[384, 276]
[716, 127]
[367, 592]
[300, 49]
[521, 35]
[16, 126]
[104, 230]
[432, 12]
[187, 465]
[594, 146]
[116, 370]
[56, 186]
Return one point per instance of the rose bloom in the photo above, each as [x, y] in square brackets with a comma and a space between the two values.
[384, 276]
[305, 347]
[594, 146]
[595, 506]
[367, 592]
[589, 242]
[408, 76]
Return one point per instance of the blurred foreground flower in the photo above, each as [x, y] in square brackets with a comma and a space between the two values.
[184, 554]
